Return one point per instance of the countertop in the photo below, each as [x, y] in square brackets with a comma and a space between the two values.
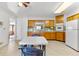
[37, 41]
[44, 30]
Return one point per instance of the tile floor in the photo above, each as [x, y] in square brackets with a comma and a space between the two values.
[54, 48]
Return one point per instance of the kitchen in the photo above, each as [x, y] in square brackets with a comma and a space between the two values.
[52, 29]
[40, 24]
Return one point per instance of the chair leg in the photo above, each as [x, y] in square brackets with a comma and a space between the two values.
[44, 50]
[40, 46]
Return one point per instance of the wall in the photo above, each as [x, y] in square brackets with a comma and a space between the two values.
[40, 18]
[18, 29]
[22, 27]
[70, 13]
[4, 30]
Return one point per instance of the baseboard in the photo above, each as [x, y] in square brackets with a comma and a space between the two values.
[3, 45]
[54, 40]
[71, 48]
[51, 39]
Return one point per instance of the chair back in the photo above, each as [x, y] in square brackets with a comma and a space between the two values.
[36, 35]
[30, 51]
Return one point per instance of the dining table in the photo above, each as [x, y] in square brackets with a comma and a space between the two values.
[36, 40]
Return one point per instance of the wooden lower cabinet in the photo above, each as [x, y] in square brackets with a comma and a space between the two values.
[53, 35]
[49, 35]
[60, 36]
[33, 33]
[30, 33]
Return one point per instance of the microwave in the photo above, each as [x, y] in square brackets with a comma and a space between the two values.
[59, 28]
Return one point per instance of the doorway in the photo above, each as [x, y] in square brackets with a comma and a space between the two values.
[12, 30]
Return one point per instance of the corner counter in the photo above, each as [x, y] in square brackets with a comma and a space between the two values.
[47, 35]
[60, 36]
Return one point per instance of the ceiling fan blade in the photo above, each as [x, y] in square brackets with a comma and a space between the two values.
[25, 5]
[27, 2]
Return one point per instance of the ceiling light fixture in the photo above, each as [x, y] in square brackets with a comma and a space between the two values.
[63, 6]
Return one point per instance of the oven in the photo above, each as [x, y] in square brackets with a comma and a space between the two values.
[59, 28]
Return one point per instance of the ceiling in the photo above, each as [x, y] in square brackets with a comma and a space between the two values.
[5, 9]
[72, 8]
[35, 9]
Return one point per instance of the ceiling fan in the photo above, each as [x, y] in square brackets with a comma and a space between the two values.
[23, 4]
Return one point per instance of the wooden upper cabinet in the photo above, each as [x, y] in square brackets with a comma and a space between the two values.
[46, 23]
[70, 18]
[31, 23]
[76, 16]
[49, 23]
[73, 17]
[59, 19]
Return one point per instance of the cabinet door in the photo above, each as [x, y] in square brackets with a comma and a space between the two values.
[60, 36]
[53, 35]
[47, 35]
[76, 16]
[59, 19]
[46, 23]
[30, 33]
[31, 23]
[70, 18]
[73, 17]
[51, 23]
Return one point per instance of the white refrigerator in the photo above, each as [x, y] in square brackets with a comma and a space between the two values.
[72, 34]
